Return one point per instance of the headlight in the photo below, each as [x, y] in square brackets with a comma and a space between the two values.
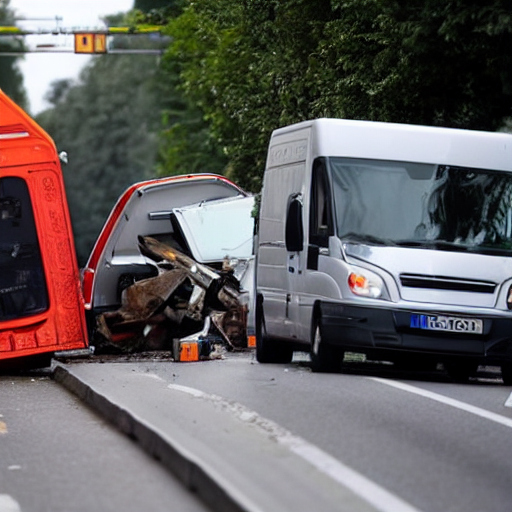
[509, 298]
[365, 284]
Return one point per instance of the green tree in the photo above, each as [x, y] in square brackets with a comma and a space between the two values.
[108, 125]
[11, 78]
[149, 5]
[253, 65]
[436, 62]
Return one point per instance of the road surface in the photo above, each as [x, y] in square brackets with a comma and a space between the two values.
[392, 439]
[57, 455]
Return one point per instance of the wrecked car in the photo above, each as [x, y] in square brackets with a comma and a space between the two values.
[173, 262]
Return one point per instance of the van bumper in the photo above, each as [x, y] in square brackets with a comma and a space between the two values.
[384, 331]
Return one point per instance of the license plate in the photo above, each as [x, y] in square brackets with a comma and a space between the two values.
[447, 323]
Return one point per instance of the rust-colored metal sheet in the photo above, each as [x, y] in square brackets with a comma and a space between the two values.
[41, 306]
[185, 308]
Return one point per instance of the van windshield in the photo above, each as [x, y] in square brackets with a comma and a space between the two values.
[422, 205]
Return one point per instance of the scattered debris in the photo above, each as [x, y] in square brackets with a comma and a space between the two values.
[187, 308]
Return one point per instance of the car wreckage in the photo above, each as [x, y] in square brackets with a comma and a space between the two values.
[172, 269]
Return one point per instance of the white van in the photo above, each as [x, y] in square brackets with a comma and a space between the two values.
[390, 240]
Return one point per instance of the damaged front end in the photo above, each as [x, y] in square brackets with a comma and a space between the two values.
[174, 278]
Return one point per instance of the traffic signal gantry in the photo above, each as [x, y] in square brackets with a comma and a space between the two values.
[86, 41]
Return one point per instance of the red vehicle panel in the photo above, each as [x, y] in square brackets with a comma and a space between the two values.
[41, 306]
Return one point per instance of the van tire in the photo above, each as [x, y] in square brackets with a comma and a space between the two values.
[324, 357]
[461, 371]
[506, 373]
[269, 350]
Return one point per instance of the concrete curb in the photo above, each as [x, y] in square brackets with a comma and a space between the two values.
[213, 491]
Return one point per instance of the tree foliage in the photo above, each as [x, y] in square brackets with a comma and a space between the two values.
[11, 79]
[237, 69]
[108, 125]
[253, 65]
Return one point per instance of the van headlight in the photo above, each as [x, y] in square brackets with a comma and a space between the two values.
[365, 284]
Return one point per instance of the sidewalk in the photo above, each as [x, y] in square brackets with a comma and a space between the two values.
[229, 457]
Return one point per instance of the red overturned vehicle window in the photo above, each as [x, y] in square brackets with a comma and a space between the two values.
[22, 283]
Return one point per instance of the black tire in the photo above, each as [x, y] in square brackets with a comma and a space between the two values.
[506, 373]
[415, 364]
[461, 371]
[324, 357]
[269, 350]
[26, 363]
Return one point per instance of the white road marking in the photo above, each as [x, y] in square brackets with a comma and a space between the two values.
[372, 493]
[508, 403]
[8, 504]
[463, 406]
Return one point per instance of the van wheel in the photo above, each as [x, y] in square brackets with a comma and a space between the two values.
[269, 350]
[324, 357]
[415, 364]
[461, 371]
[506, 373]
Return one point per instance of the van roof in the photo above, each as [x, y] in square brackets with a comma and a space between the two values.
[404, 142]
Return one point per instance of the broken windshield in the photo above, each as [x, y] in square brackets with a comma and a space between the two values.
[422, 205]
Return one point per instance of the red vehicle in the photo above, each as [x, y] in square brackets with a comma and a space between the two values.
[41, 306]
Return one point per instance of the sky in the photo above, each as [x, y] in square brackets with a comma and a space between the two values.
[41, 69]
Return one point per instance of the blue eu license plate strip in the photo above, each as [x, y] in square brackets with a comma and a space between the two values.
[446, 323]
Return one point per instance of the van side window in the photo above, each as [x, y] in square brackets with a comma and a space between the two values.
[320, 217]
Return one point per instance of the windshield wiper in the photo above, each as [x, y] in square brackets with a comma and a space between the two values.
[367, 239]
[441, 245]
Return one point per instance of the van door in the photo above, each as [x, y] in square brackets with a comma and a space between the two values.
[294, 241]
[320, 228]
[279, 265]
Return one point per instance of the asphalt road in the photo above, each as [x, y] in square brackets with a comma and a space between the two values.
[56, 455]
[369, 438]
[436, 445]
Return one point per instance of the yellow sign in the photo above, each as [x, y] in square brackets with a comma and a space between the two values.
[90, 43]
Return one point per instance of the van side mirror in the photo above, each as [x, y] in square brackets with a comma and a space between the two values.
[294, 231]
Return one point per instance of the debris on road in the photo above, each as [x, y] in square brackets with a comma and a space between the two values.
[188, 308]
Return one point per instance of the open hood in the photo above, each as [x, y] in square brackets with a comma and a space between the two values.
[218, 229]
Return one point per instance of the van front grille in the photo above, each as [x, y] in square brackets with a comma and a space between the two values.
[446, 283]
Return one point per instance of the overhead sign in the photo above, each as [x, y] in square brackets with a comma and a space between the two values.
[90, 43]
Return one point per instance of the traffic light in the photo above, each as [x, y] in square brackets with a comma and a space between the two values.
[90, 43]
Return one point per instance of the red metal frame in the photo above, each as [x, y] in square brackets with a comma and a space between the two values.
[28, 152]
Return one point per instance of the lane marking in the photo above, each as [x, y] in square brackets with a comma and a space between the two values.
[380, 498]
[463, 406]
[508, 403]
[8, 504]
